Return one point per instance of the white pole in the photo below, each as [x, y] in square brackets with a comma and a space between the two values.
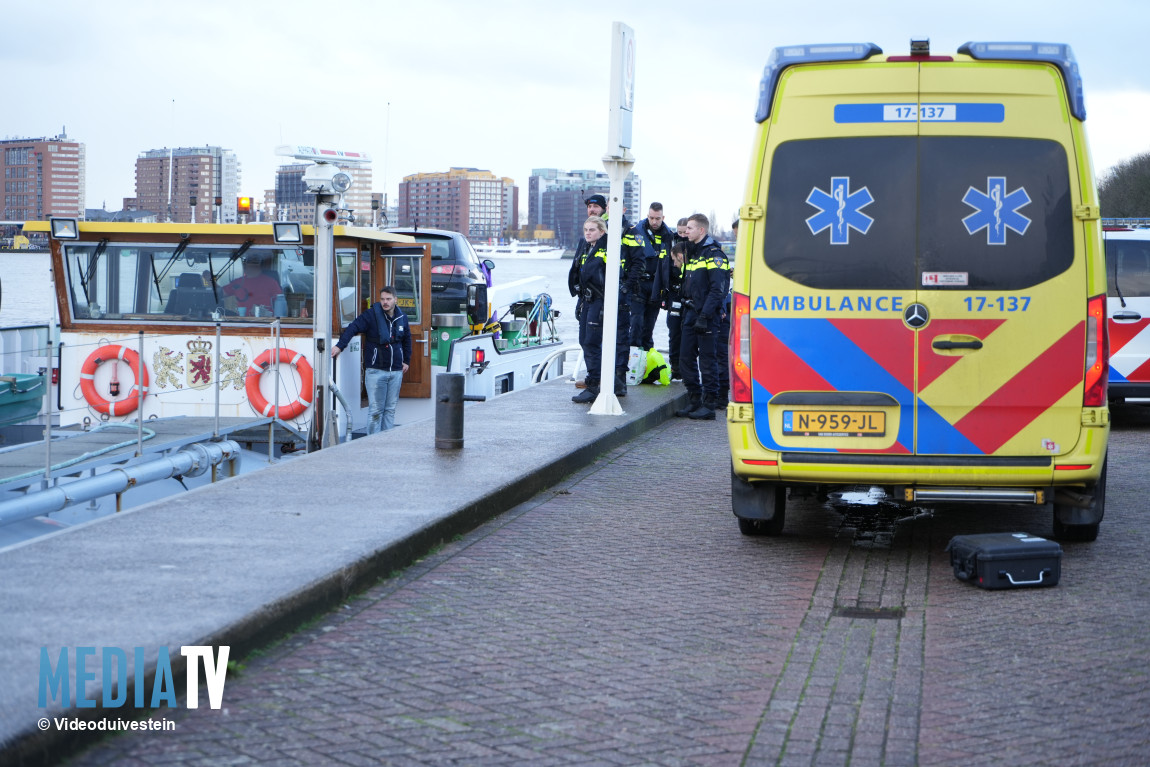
[618, 162]
[48, 419]
[140, 398]
[322, 417]
[607, 403]
[216, 429]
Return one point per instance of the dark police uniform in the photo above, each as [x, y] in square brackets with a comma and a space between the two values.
[666, 291]
[654, 245]
[588, 281]
[705, 284]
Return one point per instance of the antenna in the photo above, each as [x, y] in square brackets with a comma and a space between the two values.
[386, 142]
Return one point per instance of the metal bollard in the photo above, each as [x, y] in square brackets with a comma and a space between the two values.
[449, 399]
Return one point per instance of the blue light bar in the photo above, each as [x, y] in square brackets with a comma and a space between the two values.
[790, 55]
[1058, 54]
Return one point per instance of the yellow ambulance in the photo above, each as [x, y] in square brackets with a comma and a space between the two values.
[919, 296]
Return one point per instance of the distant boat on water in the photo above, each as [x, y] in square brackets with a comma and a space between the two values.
[517, 249]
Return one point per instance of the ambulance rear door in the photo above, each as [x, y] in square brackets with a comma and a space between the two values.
[1001, 304]
[832, 360]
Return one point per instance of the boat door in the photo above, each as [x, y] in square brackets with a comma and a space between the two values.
[408, 269]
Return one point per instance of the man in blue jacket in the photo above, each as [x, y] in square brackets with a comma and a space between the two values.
[386, 353]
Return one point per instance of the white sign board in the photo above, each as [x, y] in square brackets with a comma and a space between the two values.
[622, 88]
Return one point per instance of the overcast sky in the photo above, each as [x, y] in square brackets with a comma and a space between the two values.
[501, 85]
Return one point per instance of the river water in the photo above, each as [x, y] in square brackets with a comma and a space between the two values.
[27, 297]
[26, 294]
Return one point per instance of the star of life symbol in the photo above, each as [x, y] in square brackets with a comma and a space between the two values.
[996, 211]
[840, 210]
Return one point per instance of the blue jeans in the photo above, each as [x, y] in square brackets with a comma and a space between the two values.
[382, 395]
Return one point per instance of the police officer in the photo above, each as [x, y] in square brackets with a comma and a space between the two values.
[667, 290]
[655, 239]
[705, 284]
[588, 280]
[722, 343]
[630, 251]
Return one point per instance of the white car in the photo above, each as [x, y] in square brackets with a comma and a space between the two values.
[1128, 306]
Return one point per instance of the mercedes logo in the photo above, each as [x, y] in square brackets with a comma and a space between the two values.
[916, 315]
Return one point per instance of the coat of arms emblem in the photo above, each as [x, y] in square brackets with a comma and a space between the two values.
[199, 363]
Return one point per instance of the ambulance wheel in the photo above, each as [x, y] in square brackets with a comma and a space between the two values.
[760, 506]
[1078, 532]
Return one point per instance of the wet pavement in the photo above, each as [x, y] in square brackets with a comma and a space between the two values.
[618, 617]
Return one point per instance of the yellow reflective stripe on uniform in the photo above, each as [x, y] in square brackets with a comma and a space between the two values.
[706, 263]
[602, 254]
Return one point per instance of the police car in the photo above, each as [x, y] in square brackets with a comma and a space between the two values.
[919, 297]
[1128, 304]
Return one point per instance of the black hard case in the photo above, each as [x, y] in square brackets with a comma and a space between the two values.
[1005, 560]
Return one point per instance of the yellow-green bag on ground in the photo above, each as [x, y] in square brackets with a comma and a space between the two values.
[657, 371]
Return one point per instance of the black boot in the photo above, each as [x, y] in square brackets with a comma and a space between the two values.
[621, 382]
[691, 406]
[705, 411]
[586, 396]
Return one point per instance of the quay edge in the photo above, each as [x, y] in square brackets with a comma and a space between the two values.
[241, 562]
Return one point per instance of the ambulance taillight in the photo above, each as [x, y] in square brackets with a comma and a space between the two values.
[1097, 353]
[740, 348]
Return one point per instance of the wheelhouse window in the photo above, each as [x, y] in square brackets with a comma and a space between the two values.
[405, 278]
[347, 271]
[193, 283]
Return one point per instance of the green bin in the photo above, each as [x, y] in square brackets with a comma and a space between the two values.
[445, 328]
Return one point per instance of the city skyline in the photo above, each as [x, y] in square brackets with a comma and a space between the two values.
[507, 85]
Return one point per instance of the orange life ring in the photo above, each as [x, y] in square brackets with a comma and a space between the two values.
[252, 384]
[88, 379]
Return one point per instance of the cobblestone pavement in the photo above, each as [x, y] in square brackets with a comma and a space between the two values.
[620, 618]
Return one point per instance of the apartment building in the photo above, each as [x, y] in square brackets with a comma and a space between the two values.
[475, 202]
[189, 184]
[43, 177]
[555, 200]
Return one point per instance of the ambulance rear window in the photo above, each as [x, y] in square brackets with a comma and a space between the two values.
[996, 208]
[876, 212]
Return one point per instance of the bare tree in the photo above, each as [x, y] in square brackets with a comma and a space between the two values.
[1124, 192]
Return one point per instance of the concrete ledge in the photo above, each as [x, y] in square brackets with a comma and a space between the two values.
[241, 562]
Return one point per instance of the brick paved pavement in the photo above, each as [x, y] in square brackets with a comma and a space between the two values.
[602, 623]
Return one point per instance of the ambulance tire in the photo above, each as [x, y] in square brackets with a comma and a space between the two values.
[760, 507]
[1082, 533]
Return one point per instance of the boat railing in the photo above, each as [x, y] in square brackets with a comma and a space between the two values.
[538, 320]
[33, 346]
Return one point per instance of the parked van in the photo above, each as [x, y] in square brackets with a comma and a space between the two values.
[919, 297]
[1128, 301]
